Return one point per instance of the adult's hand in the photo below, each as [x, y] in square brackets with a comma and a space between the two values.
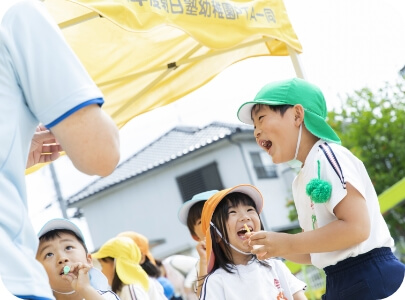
[44, 147]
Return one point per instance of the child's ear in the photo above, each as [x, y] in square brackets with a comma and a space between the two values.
[89, 259]
[299, 113]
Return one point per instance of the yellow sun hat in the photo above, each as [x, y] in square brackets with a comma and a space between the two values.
[127, 257]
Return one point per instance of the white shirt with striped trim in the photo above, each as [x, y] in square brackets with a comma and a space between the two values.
[252, 281]
[132, 292]
[338, 160]
[108, 295]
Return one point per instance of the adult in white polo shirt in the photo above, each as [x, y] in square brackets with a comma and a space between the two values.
[41, 81]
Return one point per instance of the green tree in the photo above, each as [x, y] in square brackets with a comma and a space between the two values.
[371, 123]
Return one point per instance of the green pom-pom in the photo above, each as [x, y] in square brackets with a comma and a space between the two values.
[319, 190]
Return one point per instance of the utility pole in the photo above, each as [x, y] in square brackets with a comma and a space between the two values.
[57, 190]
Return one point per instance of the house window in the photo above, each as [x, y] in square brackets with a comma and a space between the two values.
[263, 165]
[203, 179]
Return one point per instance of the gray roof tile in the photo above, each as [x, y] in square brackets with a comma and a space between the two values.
[174, 144]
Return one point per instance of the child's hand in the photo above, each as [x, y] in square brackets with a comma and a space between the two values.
[78, 276]
[252, 246]
[201, 250]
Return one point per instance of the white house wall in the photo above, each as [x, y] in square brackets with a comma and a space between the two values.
[149, 203]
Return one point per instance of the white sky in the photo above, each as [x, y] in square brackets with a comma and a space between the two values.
[347, 45]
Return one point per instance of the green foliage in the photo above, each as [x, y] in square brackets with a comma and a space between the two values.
[292, 211]
[372, 125]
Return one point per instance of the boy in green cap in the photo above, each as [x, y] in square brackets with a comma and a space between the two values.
[344, 232]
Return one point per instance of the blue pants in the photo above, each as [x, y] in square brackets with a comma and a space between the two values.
[376, 274]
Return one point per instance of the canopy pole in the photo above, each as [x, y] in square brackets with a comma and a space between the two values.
[79, 19]
[299, 71]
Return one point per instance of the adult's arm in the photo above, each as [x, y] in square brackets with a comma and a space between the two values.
[90, 139]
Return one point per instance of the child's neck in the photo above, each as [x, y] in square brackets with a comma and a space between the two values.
[241, 259]
[307, 143]
[74, 296]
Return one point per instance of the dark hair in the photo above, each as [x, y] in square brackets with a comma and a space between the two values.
[277, 108]
[194, 214]
[51, 235]
[223, 257]
[150, 269]
[116, 284]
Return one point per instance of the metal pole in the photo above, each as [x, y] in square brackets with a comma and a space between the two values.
[299, 70]
[57, 190]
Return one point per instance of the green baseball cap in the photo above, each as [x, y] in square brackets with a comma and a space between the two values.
[291, 92]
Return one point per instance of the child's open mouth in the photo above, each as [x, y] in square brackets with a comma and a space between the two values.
[241, 232]
[265, 144]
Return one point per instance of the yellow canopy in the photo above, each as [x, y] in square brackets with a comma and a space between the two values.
[146, 54]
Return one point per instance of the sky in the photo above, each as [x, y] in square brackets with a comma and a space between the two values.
[347, 45]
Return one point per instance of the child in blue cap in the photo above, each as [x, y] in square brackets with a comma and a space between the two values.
[344, 232]
[63, 253]
[190, 215]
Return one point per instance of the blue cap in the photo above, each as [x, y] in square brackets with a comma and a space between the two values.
[60, 224]
[185, 208]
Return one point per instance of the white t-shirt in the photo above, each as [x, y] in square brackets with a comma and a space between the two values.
[155, 291]
[353, 171]
[41, 79]
[132, 292]
[109, 295]
[251, 281]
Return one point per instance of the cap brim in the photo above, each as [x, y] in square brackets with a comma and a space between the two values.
[185, 208]
[60, 224]
[252, 192]
[245, 110]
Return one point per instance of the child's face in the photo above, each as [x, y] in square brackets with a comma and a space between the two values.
[198, 230]
[108, 269]
[275, 134]
[237, 217]
[57, 253]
